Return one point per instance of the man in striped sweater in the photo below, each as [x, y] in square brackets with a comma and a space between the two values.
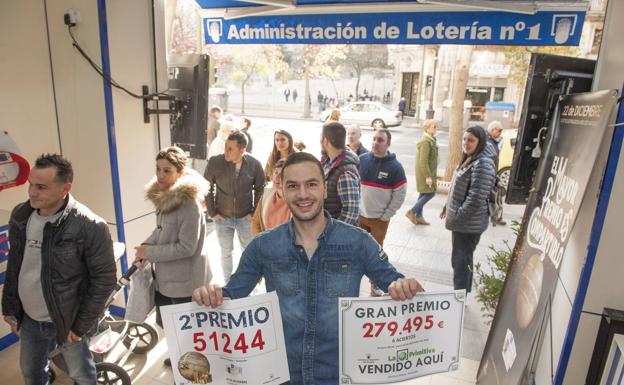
[383, 189]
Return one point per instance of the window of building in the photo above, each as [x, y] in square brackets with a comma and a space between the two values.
[499, 94]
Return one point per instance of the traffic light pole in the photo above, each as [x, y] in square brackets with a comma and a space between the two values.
[430, 113]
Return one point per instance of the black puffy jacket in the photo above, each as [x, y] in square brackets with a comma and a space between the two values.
[467, 206]
[78, 270]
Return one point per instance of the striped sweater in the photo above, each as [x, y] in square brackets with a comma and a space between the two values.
[383, 185]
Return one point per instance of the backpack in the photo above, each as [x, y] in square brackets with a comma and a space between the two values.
[495, 201]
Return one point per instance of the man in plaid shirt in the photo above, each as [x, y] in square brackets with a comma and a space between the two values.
[341, 173]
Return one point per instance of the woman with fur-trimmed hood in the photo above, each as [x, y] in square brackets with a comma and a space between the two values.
[175, 246]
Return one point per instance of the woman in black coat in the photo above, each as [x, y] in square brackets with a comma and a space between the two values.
[466, 209]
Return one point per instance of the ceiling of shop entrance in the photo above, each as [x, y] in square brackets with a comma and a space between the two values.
[234, 8]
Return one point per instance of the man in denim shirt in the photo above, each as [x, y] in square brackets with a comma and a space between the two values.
[310, 261]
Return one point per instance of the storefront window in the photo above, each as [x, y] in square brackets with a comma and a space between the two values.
[499, 94]
[478, 96]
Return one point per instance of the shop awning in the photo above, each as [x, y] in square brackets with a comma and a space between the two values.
[478, 22]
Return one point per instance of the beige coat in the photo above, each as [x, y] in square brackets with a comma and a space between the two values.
[178, 239]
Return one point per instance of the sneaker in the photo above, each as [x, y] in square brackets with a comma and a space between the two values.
[410, 215]
[501, 222]
[167, 362]
[421, 221]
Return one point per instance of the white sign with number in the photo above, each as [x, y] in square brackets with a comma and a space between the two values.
[384, 341]
[241, 342]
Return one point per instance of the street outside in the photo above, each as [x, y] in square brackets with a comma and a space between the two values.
[309, 131]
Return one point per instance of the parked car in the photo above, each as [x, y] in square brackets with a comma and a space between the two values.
[366, 113]
[505, 156]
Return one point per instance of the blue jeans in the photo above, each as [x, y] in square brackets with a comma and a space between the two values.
[423, 198]
[225, 233]
[37, 340]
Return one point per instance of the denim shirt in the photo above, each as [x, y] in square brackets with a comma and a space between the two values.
[308, 291]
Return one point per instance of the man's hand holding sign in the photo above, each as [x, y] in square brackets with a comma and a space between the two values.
[239, 341]
[385, 341]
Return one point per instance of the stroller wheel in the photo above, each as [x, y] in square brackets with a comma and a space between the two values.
[111, 374]
[146, 334]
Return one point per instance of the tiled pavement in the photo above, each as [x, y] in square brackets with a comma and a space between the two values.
[422, 252]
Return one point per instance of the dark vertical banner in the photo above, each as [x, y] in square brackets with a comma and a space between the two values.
[561, 180]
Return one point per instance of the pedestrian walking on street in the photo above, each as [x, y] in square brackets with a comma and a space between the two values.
[286, 94]
[426, 171]
[245, 125]
[294, 95]
[466, 208]
[319, 100]
[402, 106]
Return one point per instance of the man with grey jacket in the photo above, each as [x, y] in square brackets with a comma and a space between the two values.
[236, 184]
[60, 273]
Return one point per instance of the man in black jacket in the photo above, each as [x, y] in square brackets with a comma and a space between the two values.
[60, 272]
[236, 184]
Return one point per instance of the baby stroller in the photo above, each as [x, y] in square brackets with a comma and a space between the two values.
[138, 338]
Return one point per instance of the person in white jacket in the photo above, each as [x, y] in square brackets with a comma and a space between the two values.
[217, 147]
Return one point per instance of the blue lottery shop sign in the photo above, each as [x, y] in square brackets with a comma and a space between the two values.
[477, 28]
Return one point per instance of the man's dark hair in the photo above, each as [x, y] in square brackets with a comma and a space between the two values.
[302, 157]
[64, 169]
[387, 132]
[239, 138]
[335, 134]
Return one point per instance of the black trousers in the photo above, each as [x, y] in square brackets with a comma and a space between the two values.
[162, 300]
[464, 245]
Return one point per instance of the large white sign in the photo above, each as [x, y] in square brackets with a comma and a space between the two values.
[241, 342]
[384, 341]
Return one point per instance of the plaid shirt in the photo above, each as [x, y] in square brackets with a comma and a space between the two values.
[349, 194]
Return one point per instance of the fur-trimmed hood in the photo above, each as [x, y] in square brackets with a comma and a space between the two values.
[188, 188]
